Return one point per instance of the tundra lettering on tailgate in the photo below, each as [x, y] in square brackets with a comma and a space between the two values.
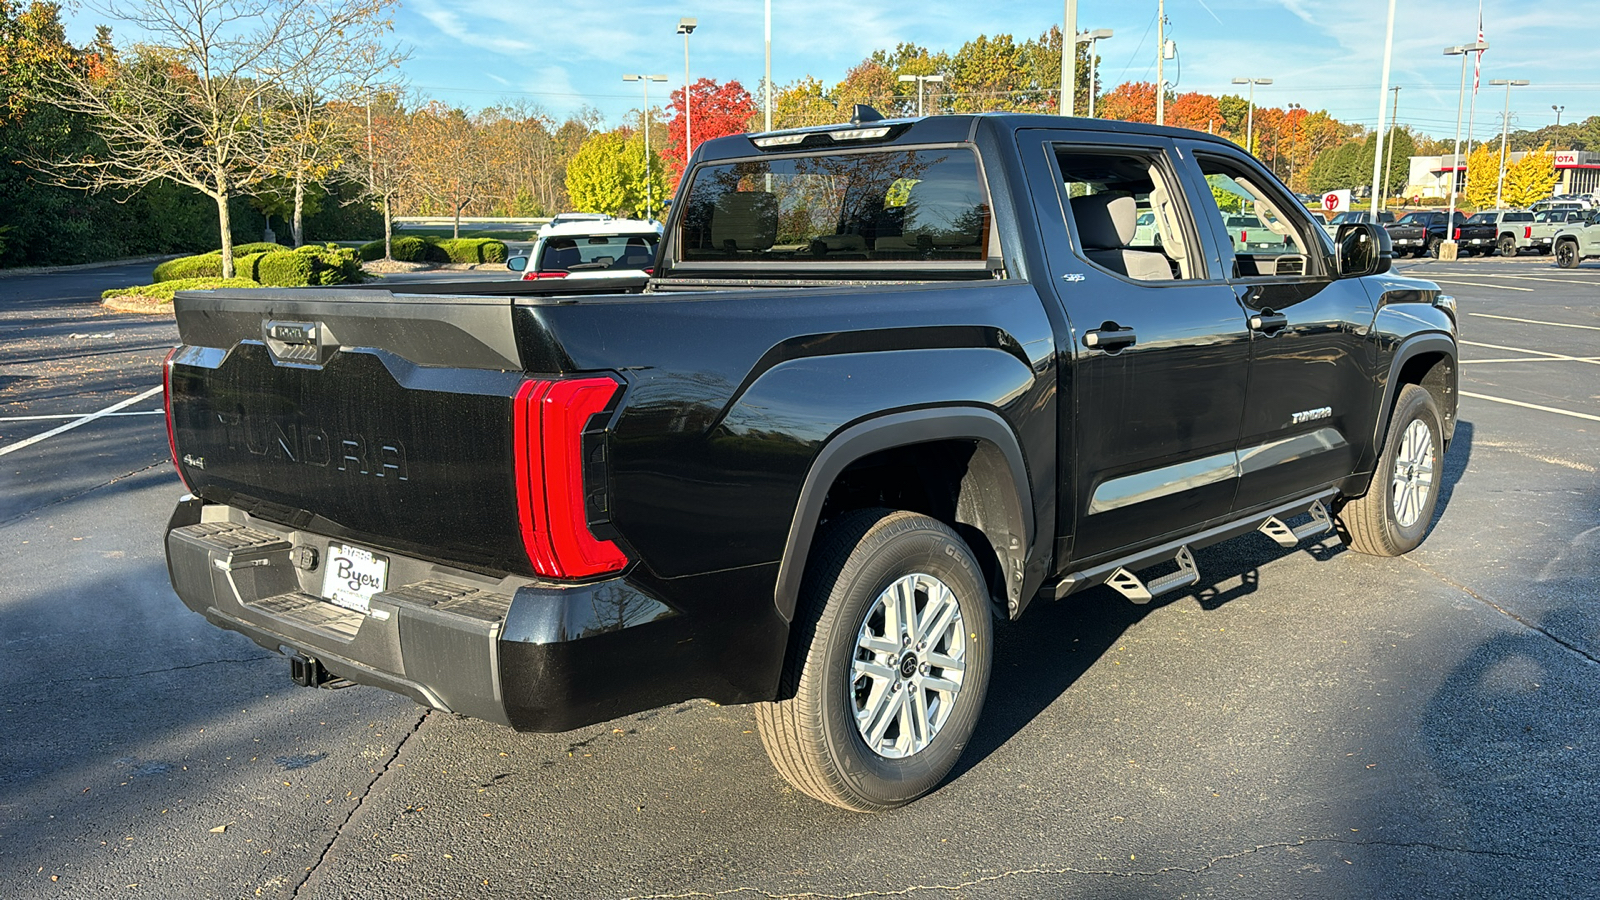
[312, 446]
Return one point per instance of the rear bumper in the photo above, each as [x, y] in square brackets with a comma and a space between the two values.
[531, 655]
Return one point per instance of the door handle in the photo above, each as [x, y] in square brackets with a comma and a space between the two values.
[1268, 322]
[1110, 337]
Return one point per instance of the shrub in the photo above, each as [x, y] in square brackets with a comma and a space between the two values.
[474, 251]
[164, 290]
[209, 265]
[285, 268]
[332, 264]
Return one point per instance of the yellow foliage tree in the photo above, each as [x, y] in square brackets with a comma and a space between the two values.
[1531, 178]
[1483, 172]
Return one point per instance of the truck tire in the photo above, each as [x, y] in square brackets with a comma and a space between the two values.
[888, 664]
[1393, 517]
[1567, 254]
[1433, 248]
[1508, 245]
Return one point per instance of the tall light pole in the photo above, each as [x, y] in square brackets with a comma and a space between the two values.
[1250, 122]
[1377, 154]
[686, 27]
[644, 120]
[1090, 37]
[767, 103]
[1505, 132]
[1558, 110]
[1069, 60]
[1460, 50]
[921, 80]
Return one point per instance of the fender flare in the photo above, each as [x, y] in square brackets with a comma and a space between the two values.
[886, 433]
[1409, 349]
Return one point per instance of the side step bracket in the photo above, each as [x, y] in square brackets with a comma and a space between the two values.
[1275, 528]
[1130, 586]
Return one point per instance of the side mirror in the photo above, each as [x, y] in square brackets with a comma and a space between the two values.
[1363, 248]
[517, 263]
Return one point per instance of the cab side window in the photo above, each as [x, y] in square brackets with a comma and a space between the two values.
[1127, 215]
[1270, 235]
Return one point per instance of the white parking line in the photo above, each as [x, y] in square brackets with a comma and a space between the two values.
[81, 421]
[1498, 287]
[1535, 321]
[1534, 278]
[1548, 409]
[141, 412]
[1582, 359]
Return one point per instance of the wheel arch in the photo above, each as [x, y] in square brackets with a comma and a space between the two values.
[1428, 361]
[991, 498]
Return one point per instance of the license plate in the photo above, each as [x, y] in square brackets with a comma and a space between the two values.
[1477, 240]
[352, 575]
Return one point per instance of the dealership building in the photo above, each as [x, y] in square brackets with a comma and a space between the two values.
[1578, 171]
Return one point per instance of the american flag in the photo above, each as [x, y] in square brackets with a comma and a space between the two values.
[1477, 58]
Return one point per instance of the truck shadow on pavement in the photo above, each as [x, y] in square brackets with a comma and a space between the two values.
[1039, 659]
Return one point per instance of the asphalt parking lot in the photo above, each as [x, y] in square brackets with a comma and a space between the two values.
[1308, 723]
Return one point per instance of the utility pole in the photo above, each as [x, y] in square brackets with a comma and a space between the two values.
[1069, 60]
[1388, 164]
[1161, 62]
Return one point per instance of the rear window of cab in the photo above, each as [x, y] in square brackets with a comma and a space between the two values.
[924, 205]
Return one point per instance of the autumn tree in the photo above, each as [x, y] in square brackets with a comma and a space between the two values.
[316, 68]
[183, 107]
[1530, 179]
[1131, 101]
[457, 165]
[608, 175]
[801, 104]
[1483, 174]
[382, 154]
[718, 110]
[1194, 110]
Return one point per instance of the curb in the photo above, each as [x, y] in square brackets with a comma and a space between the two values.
[137, 305]
[103, 264]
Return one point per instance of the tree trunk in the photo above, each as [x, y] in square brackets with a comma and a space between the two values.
[297, 228]
[227, 233]
[457, 232]
[388, 231]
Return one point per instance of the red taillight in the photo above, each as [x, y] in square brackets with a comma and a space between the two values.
[548, 421]
[166, 402]
[1527, 231]
[1244, 236]
[535, 276]
[1458, 234]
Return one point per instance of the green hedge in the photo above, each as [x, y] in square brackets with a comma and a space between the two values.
[208, 265]
[285, 269]
[165, 289]
[471, 251]
[474, 251]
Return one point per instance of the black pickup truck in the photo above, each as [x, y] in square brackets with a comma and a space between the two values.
[1425, 232]
[890, 381]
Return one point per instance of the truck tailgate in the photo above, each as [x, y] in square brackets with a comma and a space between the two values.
[384, 420]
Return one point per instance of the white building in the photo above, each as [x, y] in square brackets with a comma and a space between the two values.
[1579, 171]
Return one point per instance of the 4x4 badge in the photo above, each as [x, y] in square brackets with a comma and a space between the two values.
[1072, 276]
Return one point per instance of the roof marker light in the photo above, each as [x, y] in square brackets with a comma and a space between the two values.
[778, 140]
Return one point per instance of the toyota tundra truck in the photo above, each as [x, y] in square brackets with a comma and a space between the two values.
[890, 382]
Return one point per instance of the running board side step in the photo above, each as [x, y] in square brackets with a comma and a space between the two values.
[1128, 584]
[1118, 573]
[1289, 538]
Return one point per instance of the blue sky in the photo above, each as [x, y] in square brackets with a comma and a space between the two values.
[1320, 53]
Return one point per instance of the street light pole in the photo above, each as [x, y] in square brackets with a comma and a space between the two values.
[921, 80]
[767, 103]
[644, 120]
[686, 27]
[1090, 37]
[1460, 50]
[1377, 155]
[1161, 62]
[1388, 163]
[1250, 122]
[1559, 110]
[1069, 60]
[1505, 132]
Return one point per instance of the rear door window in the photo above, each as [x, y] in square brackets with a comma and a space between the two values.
[922, 207]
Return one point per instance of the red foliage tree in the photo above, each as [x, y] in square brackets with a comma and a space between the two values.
[719, 110]
[1195, 110]
[1131, 101]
